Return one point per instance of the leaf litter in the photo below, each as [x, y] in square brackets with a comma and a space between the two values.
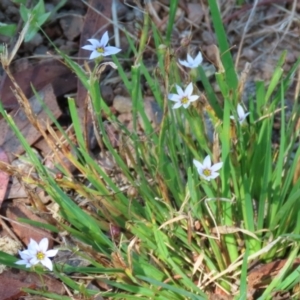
[258, 33]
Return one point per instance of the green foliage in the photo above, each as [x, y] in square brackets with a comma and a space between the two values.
[37, 17]
[8, 29]
[20, 1]
[181, 236]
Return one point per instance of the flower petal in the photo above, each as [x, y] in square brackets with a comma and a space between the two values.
[197, 164]
[51, 253]
[95, 43]
[21, 262]
[243, 118]
[179, 90]
[207, 162]
[216, 166]
[240, 111]
[186, 105]
[33, 246]
[177, 105]
[184, 63]
[95, 54]
[189, 59]
[110, 50]
[214, 175]
[204, 176]
[34, 261]
[189, 89]
[43, 245]
[25, 255]
[89, 47]
[104, 39]
[193, 98]
[174, 97]
[198, 59]
[47, 263]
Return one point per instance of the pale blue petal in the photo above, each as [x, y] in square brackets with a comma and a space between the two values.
[214, 175]
[174, 97]
[204, 176]
[207, 162]
[25, 255]
[189, 59]
[33, 246]
[193, 98]
[198, 60]
[95, 54]
[242, 118]
[184, 63]
[89, 47]
[47, 263]
[216, 166]
[240, 111]
[51, 253]
[179, 90]
[34, 261]
[21, 262]
[177, 105]
[43, 246]
[95, 43]
[189, 90]
[110, 50]
[197, 164]
[104, 39]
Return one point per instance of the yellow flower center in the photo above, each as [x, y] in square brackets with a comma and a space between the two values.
[207, 172]
[100, 49]
[184, 100]
[40, 255]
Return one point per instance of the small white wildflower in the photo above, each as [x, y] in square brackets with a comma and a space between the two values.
[26, 257]
[206, 170]
[192, 62]
[183, 98]
[241, 114]
[37, 253]
[99, 48]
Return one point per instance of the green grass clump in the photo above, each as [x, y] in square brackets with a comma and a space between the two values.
[179, 236]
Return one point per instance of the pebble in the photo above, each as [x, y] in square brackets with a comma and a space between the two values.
[36, 41]
[195, 13]
[4, 4]
[107, 94]
[72, 26]
[122, 104]
[40, 50]
[12, 13]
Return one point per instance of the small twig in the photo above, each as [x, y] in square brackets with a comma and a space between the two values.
[8, 230]
[249, 6]
[244, 34]
[288, 25]
[115, 22]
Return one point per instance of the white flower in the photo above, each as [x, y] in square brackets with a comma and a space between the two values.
[192, 62]
[183, 98]
[26, 257]
[241, 114]
[37, 253]
[206, 170]
[99, 48]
